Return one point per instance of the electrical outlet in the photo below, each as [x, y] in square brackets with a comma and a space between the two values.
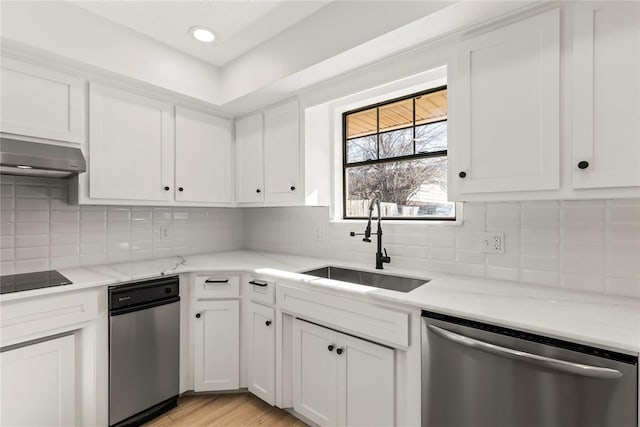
[321, 234]
[492, 242]
[164, 232]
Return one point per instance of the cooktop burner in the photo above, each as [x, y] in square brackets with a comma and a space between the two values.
[29, 281]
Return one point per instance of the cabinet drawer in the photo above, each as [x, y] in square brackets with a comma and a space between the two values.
[261, 290]
[362, 319]
[217, 285]
[36, 317]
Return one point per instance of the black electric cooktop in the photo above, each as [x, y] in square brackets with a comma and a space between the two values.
[29, 281]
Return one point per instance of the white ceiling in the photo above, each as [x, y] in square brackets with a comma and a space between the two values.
[239, 25]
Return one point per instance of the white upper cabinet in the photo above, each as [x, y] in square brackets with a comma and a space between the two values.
[606, 94]
[139, 152]
[41, 103]
[281, 148]
[130, 146]
[204, 157]
[506, 122]
[249, 159]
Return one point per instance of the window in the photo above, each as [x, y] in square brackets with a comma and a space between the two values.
[396, 152]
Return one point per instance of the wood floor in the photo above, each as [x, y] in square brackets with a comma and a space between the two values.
[238, 409]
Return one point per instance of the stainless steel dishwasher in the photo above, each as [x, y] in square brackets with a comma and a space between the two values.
[480, 375]
[144, 345]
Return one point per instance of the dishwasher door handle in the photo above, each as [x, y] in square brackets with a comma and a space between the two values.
[546, 362]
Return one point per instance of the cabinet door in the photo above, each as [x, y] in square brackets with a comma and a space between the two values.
[281, 146]
[606, 94]
[39, 376]
[262, 352]
[41, 103]
[204, 157]
[130, 146]
[216, 345]
[506, 123]
[315, 373]
[366, 388]
[249, 159]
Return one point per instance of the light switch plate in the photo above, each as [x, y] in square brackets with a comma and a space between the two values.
[492, 242]
[321, 234]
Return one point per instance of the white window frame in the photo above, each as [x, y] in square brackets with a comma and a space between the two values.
[399, 88]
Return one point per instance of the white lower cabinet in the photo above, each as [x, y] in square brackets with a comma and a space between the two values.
[262, 352]
[39, 376]
[216, 345]
[341, 380]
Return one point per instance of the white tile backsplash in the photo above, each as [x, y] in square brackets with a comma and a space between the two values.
[40, 230]
[593, 246]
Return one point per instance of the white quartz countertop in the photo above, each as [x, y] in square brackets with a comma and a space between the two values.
[599, 320]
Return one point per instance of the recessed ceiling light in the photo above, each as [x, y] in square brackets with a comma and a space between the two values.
[202, 34]
[24, 167]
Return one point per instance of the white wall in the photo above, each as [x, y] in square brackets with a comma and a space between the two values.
[69, 32]
[334, 29]
[591, 246]
[40, 231]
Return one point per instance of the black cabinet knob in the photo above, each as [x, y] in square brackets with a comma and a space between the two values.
[258, 190]
[166, 188]
[198, 315]
[583, 164]
[167, 290]
[331, 347]
[180, 189]
[268, 323]
[293, 188]
[462, 174]
[340, 350]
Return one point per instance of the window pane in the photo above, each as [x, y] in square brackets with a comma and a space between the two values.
[396, 143]
[397, 115]
[431, 137]
[362, 123]
[410, 188]
[361, 149]
[431, 107]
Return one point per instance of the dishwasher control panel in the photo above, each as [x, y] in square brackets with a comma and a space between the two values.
[139, 293]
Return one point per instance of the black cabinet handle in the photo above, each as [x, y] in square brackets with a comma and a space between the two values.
[258, 190]
[256, 283]
[340, 350]
[583, 164]
[268, 323]
[167, 188]
[293, 188]
[180, 189]
[216, 281]
[462, 174]
[331, 347]
[198, 315]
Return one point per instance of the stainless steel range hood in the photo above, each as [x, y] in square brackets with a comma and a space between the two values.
[35, 159]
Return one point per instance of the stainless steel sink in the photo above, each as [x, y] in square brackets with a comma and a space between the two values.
[384, 281]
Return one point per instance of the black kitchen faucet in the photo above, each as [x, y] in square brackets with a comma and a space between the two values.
[380, 259]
